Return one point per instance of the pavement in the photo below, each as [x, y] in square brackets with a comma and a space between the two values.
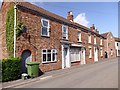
[102, 74]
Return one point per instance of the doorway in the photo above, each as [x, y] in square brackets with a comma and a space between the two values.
[106, 55]
[26, 57]
[95, 54]
[65, 56]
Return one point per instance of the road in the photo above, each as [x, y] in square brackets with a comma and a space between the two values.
[103, 74]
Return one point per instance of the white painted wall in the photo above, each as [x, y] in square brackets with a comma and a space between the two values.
[117, 47]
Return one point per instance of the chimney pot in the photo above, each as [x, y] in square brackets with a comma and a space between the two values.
[70, 16]
[92, 27]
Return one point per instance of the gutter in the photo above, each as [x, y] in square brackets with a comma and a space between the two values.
[15, 23]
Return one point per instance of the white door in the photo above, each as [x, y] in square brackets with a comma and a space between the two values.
[83, 56]
[95, 54]
[65, 56]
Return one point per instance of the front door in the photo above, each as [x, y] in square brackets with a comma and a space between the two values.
[95, 54]
[65, 58]
[26, 57]
[83, 56]
[106, 55]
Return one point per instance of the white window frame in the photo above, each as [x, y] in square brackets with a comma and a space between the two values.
[111, 52]
[101, 51]
[79, 37]
[65, 33]
[90, 52]
[52, 52]
[48, 27]
[95, 40]
[89, 38]
[101, 40]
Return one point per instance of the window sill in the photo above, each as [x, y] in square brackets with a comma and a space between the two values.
[45, 36]
[49, 62]
[79, 41]
[89, 43]
[65, 39]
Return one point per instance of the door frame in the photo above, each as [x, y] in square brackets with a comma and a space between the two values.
[95, 54]
[83, 56]
[26, 59]
[68, 64]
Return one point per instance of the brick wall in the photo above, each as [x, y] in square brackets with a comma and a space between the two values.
[5, 7]
[33, 41]
[111, 45]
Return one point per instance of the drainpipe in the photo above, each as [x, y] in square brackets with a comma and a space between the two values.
[15, 23]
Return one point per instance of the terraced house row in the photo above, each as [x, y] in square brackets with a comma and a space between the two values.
[53, 41]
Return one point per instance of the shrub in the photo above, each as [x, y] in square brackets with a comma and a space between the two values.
[11, 69]
[10, 31]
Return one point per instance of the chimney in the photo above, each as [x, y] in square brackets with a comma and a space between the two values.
[97, 31]
[70, 16]
[92, 27]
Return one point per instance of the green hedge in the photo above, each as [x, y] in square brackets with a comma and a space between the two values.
[11, 69]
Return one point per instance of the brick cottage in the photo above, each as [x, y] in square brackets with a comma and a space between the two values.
[53, 41]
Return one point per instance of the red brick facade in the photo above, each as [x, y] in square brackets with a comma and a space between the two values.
[109, 46]
[33, 40]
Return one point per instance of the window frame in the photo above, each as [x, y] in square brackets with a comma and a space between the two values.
[95, 39]
[117, 44]
[89, 38]
[66, 34]
[79, 36]
[111, 52]
[48, 27]
[90, 52]
[51, 55]
[101, 41]
[101, 51]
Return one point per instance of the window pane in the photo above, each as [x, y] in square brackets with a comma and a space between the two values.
[54, 51]
[44, 57]
[49, 57]
[49, 51]
[53, 56]
[64, 29]
[64, 36]
[45, 23]
[44, 51]
[44, 31]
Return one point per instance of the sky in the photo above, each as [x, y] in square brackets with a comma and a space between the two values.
[104, 15]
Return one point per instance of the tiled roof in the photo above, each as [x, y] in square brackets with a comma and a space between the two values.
[45, 13]
[105, 34]
[117, 39]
